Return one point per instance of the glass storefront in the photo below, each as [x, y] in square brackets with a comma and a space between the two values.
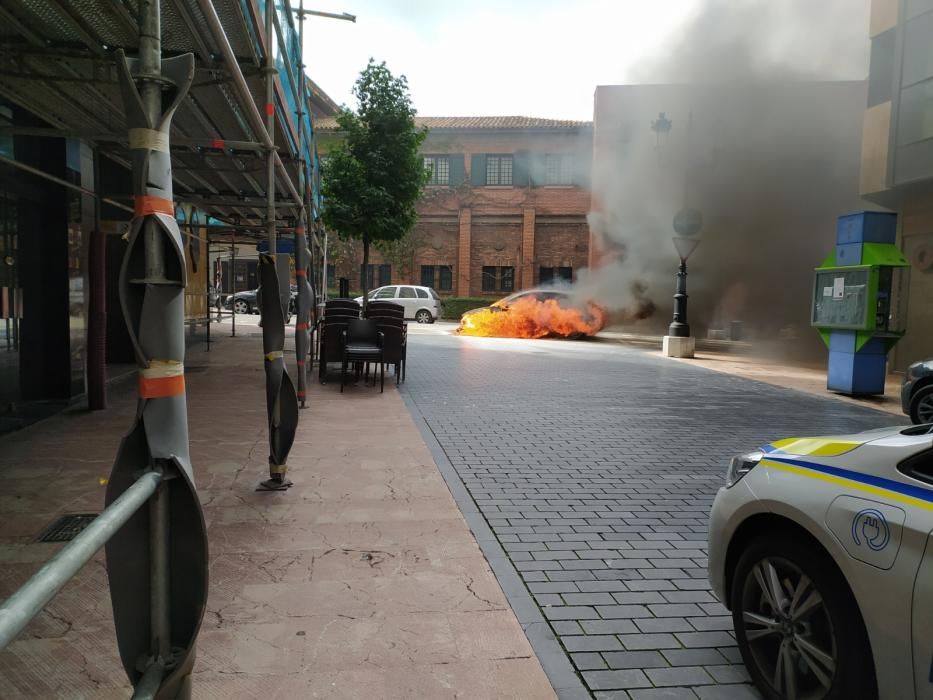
[43, 302]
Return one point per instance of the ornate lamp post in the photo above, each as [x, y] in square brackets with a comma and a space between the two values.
[687, 224]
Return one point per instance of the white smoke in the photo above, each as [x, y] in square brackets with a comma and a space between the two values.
[771, 155]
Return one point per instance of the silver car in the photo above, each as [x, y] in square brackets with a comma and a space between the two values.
[421, 304]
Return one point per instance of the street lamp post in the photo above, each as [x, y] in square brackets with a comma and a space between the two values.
[687, 224]
[678, 342]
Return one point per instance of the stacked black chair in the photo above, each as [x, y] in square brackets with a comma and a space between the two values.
[362, 345]
[390, 319]
[337, 305]
[385, 308]
[337, 315]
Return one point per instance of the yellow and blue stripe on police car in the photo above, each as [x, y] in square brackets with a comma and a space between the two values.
[879, 486]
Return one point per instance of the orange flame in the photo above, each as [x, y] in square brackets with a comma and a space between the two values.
[530, 318]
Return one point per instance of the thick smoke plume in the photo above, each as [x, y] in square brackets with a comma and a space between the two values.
[765, 101]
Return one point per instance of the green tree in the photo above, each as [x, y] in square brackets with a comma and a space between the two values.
[373, 177]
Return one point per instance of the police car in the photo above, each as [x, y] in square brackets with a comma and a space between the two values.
[822, 548]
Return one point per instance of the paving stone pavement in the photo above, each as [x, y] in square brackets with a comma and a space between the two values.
[595, 467]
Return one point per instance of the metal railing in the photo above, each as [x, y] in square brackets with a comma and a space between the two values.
[20, 608]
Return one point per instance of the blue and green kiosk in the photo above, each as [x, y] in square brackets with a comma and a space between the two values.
[860, 302]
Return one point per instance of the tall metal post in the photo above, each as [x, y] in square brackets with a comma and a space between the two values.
[274, 294]
[157, 563]
[97, 311]
[233, 284]
[324, 270]
[679, 327]
[208, 272]
[302, 254]
[687, 224]
[150, 93]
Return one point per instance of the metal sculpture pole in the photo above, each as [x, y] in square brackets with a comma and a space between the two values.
[281, 400]
[305, 301]
[274, 297]
[157, 563]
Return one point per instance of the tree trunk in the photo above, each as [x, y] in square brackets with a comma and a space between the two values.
[364, 275]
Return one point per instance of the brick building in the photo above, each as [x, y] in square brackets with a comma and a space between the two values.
[505, 208]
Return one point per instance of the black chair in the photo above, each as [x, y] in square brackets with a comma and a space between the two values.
[394, 346]
[332, 330]
[347, 304]
[385, 308]
[390, 318]
[362, 345]
[330, 349]
[341, 315]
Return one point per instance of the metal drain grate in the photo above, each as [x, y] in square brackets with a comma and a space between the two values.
[67, 527]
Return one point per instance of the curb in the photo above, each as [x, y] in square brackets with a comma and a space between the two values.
[554, 660]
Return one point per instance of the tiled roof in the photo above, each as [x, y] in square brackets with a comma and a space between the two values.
[330, 124]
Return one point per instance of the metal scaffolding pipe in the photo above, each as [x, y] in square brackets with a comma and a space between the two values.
[156, 563]
[22, 606]
[150, 91]
[330, 15]
[302, 254]
[270, 130]
[274, 299]
[181, 141]
[239, 83]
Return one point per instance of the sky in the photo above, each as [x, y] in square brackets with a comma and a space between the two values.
[539, 58]
[544, 58]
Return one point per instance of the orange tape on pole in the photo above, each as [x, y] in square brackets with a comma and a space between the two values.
[300, 273]
[160, 387]
[301, 326]
[143, 205]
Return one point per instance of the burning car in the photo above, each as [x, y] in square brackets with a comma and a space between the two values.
[535, 313]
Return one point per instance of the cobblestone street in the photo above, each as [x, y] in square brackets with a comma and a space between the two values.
[595, 467]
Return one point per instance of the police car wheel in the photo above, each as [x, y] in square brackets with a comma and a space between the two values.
[797, 624]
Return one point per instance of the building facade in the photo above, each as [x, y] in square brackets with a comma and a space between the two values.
[505, 208]
[897, 151]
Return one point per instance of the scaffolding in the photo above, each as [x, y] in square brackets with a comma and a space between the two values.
[223, 140]
[56, 61]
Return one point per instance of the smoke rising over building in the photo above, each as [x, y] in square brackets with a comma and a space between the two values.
[753, 125]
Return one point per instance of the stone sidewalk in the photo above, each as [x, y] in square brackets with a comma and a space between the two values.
[740, 359]
[362, 581]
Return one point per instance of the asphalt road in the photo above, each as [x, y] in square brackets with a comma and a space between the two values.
[595, 465]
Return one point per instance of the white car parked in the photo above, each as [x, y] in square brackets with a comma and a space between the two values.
[822, 548]
[422, 304]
